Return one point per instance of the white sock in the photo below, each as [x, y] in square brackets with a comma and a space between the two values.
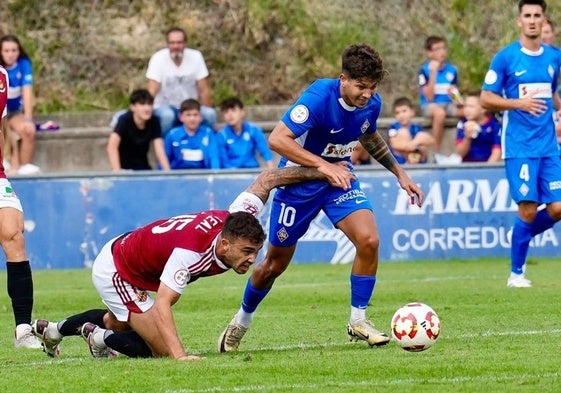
[52, 331]
[98, 337]
[244, 318]
[357, 314]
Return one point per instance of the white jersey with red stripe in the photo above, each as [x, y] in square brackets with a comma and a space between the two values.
[176, 251]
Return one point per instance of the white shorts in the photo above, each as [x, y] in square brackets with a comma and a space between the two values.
[8, 197]
[120, 297]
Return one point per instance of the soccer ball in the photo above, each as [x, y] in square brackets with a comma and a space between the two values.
[415, 327]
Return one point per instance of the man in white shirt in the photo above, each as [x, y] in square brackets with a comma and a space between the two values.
[176, 73]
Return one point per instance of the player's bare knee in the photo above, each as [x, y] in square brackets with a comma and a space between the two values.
[369, 243]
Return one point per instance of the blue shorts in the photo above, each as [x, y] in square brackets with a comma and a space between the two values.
[534, 179]
[294, 207]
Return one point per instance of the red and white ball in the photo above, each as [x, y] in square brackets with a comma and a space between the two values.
[415, 327]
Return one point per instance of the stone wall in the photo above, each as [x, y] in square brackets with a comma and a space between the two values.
[79, 146]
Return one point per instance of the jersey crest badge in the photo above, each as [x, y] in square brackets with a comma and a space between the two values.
[282, 235]
[364, 126]
[142, 296]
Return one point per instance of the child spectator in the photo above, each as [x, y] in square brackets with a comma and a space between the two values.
[20, 104]
[192, 145]
[408, 141]
[478, 138]
[438, 88]
[129, 143]
[239, 140]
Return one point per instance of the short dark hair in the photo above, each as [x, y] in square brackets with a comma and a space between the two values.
[433, 39]
[243, 225]
[402, 101]
[176, 29]
[190, 104]
[231, 103]
[362, 61]
[141, 96]
[541, 3]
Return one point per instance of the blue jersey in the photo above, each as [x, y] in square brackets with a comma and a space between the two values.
[446, 77]
[238, 151]
[514, 73]
[488, 139]
[199, 151]
[20, 74]
[413, 129]
[326, 126]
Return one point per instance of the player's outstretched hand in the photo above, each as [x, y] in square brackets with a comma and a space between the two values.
[415, 193]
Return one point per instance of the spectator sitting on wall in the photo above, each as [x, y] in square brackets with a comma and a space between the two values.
[20, 105]
[408, 141]
[192, 145]
[478, 138]
[240, 140]
[175, 74]
[136, 130]
[438, 88]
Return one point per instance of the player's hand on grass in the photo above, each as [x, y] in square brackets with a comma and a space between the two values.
[191, 357]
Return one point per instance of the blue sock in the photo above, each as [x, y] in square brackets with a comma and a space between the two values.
[521, 236]
[362, 288]
[252, 297]
[542, 222]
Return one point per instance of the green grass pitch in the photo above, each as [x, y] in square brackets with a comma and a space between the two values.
[493, 339]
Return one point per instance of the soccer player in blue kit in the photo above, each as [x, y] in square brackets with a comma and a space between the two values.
[322, 127]
[521, 81]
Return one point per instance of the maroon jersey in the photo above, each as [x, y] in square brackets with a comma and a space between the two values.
[3, 113]
[175, 251]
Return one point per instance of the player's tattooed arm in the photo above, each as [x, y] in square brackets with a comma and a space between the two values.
[379, 150]
[271, 178]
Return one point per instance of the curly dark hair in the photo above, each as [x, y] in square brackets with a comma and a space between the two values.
[243, 225]
[362, 61]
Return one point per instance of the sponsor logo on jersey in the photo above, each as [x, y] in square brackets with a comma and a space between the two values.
[181, 277]
[338, 150]
[555, 185]
[537, 90]
[2, 86]
[357, 195]
[299, 114]
[441, 88]
[520, 73]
